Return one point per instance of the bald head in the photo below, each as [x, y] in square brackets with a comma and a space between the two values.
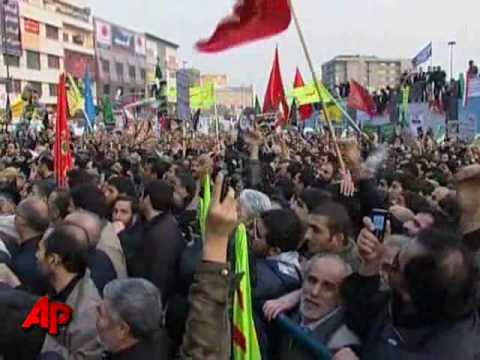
[90, 222]
[31, 217]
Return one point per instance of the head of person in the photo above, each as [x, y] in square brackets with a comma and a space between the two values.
[31, 218]
[277, 231]
[328, 170]
[157, 198]
[78, 177]
[322, 280]
[184, 186]
[252, 204]
[329, 229]
[90, 223]
[58, 205]
[437, 275]
[63, 252]
[116, 186]
[42, 189]
[89, 198]
[46, 165]
[125, 209]
[398, 184]
[154, 169]
[423, 220]
[7, 205]
[391, 248]
[130, 312]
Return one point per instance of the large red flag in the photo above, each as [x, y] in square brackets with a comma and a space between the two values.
[63, 156]
[251, 20]
[360, 99]
[305, 110]
[275, 99]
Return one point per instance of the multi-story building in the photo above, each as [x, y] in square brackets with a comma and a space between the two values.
[370, 71]
[235, 98]
[195, 76]
[165, 53]
[56, 36]
[220, 80]
[121, 61]
[77, 36]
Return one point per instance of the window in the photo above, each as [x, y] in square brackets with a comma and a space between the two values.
[17, 86]
[131, 72]
[105, 66]
[142, 74]
[33, 60]
[36, 87]
[52, 89]
[66, 38]
[13, 61]
[78, 39]
[106, 89]
[52, 32]
[119, 70]
[53, 62]
[133, 91]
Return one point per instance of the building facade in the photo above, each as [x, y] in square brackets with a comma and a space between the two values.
[166, 54]
[370, 71]
[120, 60]
[56, 36]
[235, 98]
[219, 81]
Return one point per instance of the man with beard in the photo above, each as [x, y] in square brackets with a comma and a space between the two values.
[126, 219]
[431, 310]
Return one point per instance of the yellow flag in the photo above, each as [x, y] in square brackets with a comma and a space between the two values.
[75, 98]
[308, 94]
[172, 94]
[202, 97]
[17, 107]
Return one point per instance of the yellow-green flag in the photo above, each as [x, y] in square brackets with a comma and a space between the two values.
[202, 97]
[245, 340]
[205, 205]
[308, 94]
[75, 98]
[172, 94]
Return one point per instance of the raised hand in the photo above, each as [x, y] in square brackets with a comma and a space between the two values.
[222, 220]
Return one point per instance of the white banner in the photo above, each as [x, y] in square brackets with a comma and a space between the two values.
[474, 87]
[103, 33]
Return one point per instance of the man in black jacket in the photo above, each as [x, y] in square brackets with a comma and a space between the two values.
[430, 312]
[163, 242]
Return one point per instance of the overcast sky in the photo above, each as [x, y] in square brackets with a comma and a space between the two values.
[391, 28]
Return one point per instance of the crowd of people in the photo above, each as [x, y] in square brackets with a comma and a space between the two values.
[123, 244]
[430, 86]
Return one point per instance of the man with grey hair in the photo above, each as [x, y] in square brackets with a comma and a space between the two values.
[129, 320]
[252, 204]
[320, 312]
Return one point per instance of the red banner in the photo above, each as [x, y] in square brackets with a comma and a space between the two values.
[32, 26]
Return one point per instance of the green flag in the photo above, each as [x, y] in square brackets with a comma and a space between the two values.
[107, 111]
[258, 108]
[205, 205]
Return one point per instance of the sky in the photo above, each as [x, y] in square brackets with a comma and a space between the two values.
[386, 28]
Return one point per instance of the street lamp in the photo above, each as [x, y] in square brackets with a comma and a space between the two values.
[6, 61]
[451, 44]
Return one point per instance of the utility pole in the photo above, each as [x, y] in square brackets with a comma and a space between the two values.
[6, 60]
[451, 44]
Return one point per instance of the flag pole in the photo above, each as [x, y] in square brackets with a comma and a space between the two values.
[317, 87]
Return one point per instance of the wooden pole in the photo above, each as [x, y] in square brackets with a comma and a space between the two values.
[317, 86]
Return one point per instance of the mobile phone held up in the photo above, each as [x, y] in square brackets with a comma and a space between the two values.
[379, 218]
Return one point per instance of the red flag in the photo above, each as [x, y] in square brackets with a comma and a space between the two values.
[63, 156]
[305, 110]
[360, 99]
[275, 99]
[251, 20]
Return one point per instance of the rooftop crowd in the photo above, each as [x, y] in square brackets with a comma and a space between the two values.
[122, 245]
